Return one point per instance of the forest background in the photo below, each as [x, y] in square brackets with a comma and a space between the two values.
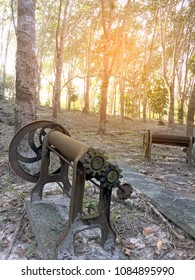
[131, 58]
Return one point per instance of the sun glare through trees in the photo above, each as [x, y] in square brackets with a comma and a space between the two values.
[117, 57]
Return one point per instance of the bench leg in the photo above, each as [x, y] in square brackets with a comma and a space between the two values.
[147, 145]
[189, 152]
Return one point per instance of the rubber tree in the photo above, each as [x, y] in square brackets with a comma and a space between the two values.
[170, 25]
[5, 33]
[61, 33]
[184, 72]
[191, 105]
[111, 49]
[107, 14]
[26, 69]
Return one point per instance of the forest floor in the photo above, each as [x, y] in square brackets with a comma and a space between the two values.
[142, 233]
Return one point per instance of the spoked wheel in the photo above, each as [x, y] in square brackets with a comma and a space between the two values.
[26, 148]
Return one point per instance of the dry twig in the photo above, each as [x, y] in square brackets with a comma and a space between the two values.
[192, 257]
[14, 237]
[180, 237]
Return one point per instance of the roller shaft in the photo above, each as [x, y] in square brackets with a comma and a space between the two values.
[67, 146]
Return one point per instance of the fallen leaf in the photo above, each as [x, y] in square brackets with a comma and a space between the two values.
[159, 246]
[148, 241]
[129, 246]
[127, 252]
[20, 251]
[148, 230]
[118, 240]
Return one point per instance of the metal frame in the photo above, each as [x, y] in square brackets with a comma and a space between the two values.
[183, 141]
[87, 164]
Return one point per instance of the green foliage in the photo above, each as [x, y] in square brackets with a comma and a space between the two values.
[157, 95]
[8, 81]
[131, 102]
[89, 202]
[128, 104]
[131, 45]
[30, 251]
[2, 244]
[10, 187]
[116, 213]
[73, 97]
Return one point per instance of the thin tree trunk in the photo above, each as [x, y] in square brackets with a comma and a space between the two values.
[5, 57]
[183, 75]
[88, 66]
[109, 60]
[170, 87]
[181, 109]
[171, 105]
[190, 114]
[60, 41]
[106, 23]
[103, 100]
[26, 69]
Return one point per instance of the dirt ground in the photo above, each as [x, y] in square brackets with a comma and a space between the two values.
[142, 232]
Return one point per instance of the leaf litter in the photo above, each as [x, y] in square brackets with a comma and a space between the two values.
[142, 232]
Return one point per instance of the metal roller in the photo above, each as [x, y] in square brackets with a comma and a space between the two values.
[70, 148]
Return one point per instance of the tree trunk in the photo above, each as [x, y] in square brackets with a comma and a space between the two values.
[144, 103]
[86, 96]
[190, 114]
[88, 68]
[171, 105]
[109, 59]
[106, 23]
[5, 58]
[122, 97]
[57, 86]
[59, 54]
[103, 104]
[26, 69]
[69, 93]
[181, 110]
[170, 87]
[113, 98]
[104, 89]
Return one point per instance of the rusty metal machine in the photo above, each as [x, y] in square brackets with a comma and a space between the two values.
[30, 154]
[150, 138]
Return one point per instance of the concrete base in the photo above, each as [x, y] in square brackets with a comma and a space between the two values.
[178, 209]
[48, 220]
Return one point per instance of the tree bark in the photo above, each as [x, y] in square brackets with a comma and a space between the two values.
[103, 100]
[106, 23]
[178, 27]
[26, 69]
[181, 110]
[88, 68]
[171, 105]
[190, 114]
[4, 65]
[109, 55]
[60, 41]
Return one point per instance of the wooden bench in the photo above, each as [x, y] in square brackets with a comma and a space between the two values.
[150, 138]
